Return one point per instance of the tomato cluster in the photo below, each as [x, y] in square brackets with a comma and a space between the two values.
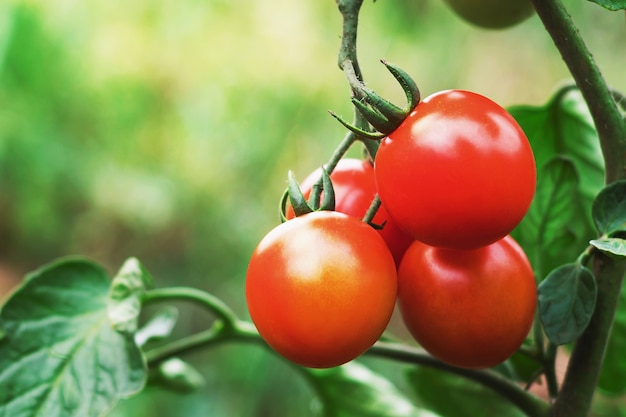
[354, 184]
[454, 179]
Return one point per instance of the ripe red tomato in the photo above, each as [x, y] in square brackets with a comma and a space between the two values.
[355, 188]
[321, 288]
[469, 308]
[459, 172]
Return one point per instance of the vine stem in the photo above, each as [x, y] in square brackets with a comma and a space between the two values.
[608, 120]
[585, 363]
[242, 331]
[210, 302]
[348, 62]
[531, 405]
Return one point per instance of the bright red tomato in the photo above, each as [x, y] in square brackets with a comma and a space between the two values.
[355, 188]
[469, 308]
[321, 288]
[458, 173]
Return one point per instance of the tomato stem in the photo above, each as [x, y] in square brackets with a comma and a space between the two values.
[207, 300]
[602, 106]
[242, 331]
[550, 371]
[531, 405]
[371, 212]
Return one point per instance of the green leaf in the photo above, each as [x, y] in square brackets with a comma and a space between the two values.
[611, 246]
[567, 298]
[158, 327]
[353, 390]
[177, 375]
[453, 396]
[609, 209]
[127, 290]
[562, 128]
[60, 356]
[613, 374]
[613, 5]
[296, 197]
[547, 228]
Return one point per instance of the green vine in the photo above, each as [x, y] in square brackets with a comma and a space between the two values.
[585, 364]
[228, 328]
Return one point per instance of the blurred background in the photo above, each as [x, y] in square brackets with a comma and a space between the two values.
[165, 129]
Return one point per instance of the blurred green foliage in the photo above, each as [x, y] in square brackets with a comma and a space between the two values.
[164, 130]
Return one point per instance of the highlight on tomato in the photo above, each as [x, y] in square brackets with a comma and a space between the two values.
[321, 288]
[354, 184]
[458, 172]
[469, 308]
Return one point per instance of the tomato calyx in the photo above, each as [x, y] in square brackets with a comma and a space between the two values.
[298, 201]
[382, 115]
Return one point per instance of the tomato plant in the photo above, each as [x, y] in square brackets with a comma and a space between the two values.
[355, 188]
[458, 172]
[321, 288]
[469, 308]
[492, 14]
[454, 171]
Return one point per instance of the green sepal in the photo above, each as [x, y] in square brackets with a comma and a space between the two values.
[383, 114]
[390, 111]
[328, 201]
[408, 84]
[282, 206]
[375, 117]
[296, 197]
[299, 203]
[359, 132]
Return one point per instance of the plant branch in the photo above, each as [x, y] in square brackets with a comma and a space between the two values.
[240, 331]
[586, 361]
[210, 302]
[348, 62]
[243, 331]
[531, 405]
[550, 371]
[604, 111]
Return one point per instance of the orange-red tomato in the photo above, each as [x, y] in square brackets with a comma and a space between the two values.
[471, 309]
[321, 288]
[355, 188]
[458, 173]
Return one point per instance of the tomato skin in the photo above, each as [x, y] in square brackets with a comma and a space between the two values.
[321, 288]
[354, 184]
[459, 172]
[493, 14]
[471, 309]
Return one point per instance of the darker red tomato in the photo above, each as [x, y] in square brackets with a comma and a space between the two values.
[321, 288]
[458, 173]
[469, 308]
[355, 188]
